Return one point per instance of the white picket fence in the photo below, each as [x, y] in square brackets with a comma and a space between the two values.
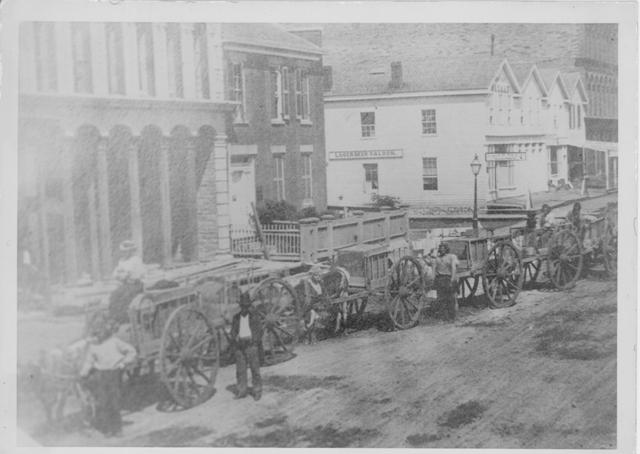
[282, 240]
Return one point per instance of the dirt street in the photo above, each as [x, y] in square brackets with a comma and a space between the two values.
[541, 374]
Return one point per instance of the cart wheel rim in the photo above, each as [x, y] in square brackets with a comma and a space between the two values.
[503, 275]
[189, 357]
[405, 292]
[565, 260]
[280, 316]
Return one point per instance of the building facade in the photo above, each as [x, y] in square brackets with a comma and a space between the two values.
[417, 143]
[277, 131]
[130, 131]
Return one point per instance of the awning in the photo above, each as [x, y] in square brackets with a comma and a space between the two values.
[608, 147]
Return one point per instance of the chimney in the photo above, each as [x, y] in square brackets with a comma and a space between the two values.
[493, 42]
[396, 75]
[327, 78]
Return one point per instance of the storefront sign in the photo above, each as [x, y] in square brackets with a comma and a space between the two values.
[365, 154]
[516, 156]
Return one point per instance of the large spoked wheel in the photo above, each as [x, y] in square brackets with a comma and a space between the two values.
[565, 260]
[503, 275]
[405, 292]
[189, 357]
[610, 254]
[467, 287]
[280, 316]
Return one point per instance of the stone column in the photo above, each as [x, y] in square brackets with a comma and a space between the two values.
[71, 262]
[216, 62]
[165, 201]
[99, 70]
[134, 191]
[43, 225]
[103, 208]
[64, 60]
[159, 31]
[93, 231]
[191, 190]
[188, 62]
[130, 57]
[221, 166]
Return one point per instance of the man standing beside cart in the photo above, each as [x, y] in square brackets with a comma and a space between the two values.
[129, 274]
[246, 337]
[446, 279]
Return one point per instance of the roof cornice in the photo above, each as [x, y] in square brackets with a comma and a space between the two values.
[404, 95]
[276, 51]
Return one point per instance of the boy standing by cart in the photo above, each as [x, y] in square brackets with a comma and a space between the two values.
[246, 336]
[106, 357]
[446, 279]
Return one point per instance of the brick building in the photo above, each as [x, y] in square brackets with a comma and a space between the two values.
[128, 131]
[277, 132]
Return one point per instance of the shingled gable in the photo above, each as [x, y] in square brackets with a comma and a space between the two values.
[573, 82]
[551, 77]
[266, 36]
[526, 74]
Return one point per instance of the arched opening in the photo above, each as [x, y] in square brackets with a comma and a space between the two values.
[150, 196]
[120, 140]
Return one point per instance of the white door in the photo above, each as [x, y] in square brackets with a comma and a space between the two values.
[242, 188]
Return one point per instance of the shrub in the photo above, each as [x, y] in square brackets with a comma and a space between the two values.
[270, 211]
[385, 201]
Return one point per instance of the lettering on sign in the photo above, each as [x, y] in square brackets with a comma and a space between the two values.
[365, 154]
[514, 156]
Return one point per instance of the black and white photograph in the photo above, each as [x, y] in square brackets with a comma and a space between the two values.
[319, 228]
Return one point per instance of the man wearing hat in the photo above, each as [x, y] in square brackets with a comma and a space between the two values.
[246, 340]
[129, 274]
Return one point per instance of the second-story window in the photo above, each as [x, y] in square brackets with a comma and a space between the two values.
[174, 61]
[306, 177]
[115, 59]
[236, 84]
[81, 39]
[45, 56]
[146, 77]
[579, 116]
[302, 95]
[368, 124]
[276, 95]
[285, 90]
[201, 61]
[429, 126]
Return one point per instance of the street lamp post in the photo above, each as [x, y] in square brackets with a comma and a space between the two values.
[475, 168]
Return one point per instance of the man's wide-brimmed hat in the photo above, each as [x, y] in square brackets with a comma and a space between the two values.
[127, 246]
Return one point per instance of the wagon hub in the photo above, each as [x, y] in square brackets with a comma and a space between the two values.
[404, 291]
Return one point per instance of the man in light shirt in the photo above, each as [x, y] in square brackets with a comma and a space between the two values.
[129, 274]
[246, 336]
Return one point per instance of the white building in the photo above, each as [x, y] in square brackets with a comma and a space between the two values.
[412, 131]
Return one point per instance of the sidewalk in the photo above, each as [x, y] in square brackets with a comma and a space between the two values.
[553, 198]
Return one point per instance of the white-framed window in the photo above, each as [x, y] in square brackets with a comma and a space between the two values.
[236, 90]
[370, 177]
[429, 174]
[276, 95]
[491, 116]
[505, 174]
[491, 172]
[579, 116]
[278, 176]
[368, 124]
[302, 95]
[45, 56]
[286, 92]
[553, 161]
[81, 39]
[115, 58]
[146, 77]
[555, 109]
[201, 61]
[174, 61]
[429, 124]
[307, 179]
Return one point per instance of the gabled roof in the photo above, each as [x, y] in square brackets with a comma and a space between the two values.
[550, 77]
[266, 36]
[419, 74]
[573, 82]
[526, 73]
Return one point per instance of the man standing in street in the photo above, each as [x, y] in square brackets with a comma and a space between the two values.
[446, 279]
[246, 336]
[129, 274]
